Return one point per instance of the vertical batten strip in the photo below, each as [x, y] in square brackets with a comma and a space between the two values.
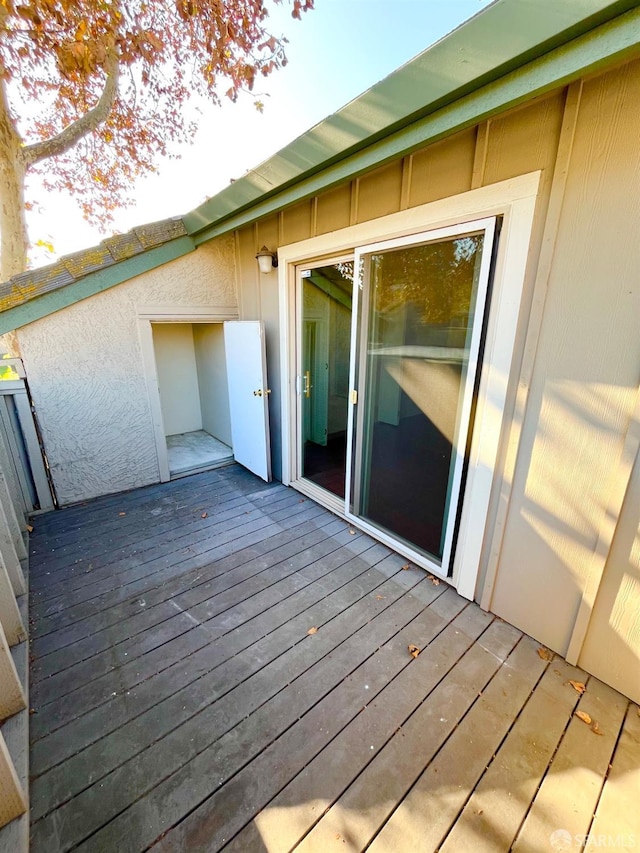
[611, 517]
[407, 174]
[238, 276]
[355, 197]
[12, 799]
[554, 211]
[11, 694]
[480, 155]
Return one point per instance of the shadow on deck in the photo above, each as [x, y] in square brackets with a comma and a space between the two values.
[221, 664]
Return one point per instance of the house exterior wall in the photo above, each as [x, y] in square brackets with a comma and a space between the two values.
[564, 459]
[92, 401]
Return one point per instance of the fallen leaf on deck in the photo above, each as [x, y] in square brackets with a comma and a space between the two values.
[582, 715]
[595, 728]
[380, 597]
[578, 685]
[545, 654]
[29, 528]
[435, 581]
[352, 532]
[204, 515]
[313, 630]
[122, 513]
[406, 566]
[414, 651]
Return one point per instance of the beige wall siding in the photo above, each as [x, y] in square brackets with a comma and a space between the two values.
[586, 371]
[443, 169]
[379, 193]
[577, 362]
[612, 645]
[91, 396]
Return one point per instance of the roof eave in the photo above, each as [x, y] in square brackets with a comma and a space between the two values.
[388, 122]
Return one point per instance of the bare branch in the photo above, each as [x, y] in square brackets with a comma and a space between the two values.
[88, 122]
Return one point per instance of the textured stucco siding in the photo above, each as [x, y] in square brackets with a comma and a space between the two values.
[86, 373]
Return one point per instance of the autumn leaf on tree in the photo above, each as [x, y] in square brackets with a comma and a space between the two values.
[92, 93]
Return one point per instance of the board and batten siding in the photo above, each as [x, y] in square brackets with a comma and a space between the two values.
[92, 402]
[564, 463]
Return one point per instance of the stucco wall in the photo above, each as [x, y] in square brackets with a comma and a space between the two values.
[86, 373]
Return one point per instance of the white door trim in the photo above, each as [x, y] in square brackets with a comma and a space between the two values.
[515, 201]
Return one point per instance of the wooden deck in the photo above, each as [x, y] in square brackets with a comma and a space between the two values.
[220, 664]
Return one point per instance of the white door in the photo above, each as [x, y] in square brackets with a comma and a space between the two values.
[244, 346]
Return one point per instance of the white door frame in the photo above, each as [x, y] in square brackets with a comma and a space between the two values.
[514, 200]
[148, 314]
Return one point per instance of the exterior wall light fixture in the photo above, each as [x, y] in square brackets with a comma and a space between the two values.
[266, 260]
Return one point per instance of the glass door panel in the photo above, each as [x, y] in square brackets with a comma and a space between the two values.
[420, 325]
[325, 296]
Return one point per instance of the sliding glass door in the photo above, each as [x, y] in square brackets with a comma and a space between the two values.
[392, 438]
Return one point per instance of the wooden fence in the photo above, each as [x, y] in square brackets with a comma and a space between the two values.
[14, 660]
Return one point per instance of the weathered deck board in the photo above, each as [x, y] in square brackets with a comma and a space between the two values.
[367, 804]
[616, 820]
[127, 650]
[576, 776]
[181, 704]
[334, 574]
[286, 657]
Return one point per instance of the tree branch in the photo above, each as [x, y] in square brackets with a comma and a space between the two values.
[87, 123]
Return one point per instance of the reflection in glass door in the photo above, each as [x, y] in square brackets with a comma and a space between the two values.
[325, 298]
[420, 328]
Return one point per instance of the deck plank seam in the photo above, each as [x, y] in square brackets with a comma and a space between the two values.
[118, 609]
[104, 519]
[96, 780]
[217, 637]
[239, 769]
[112, 529]
[150, 493]
[80, 665]
[328, 744]
[56, 617]
[609, 767]
[138, 544]
[75, 641]
[155, 565]
[366, 569]
[450, 735]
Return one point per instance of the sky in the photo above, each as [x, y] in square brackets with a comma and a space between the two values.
[338, 50]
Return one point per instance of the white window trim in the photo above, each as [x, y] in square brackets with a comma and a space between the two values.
[515, 201]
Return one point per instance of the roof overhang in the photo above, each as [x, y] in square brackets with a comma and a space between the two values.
[511, 52]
